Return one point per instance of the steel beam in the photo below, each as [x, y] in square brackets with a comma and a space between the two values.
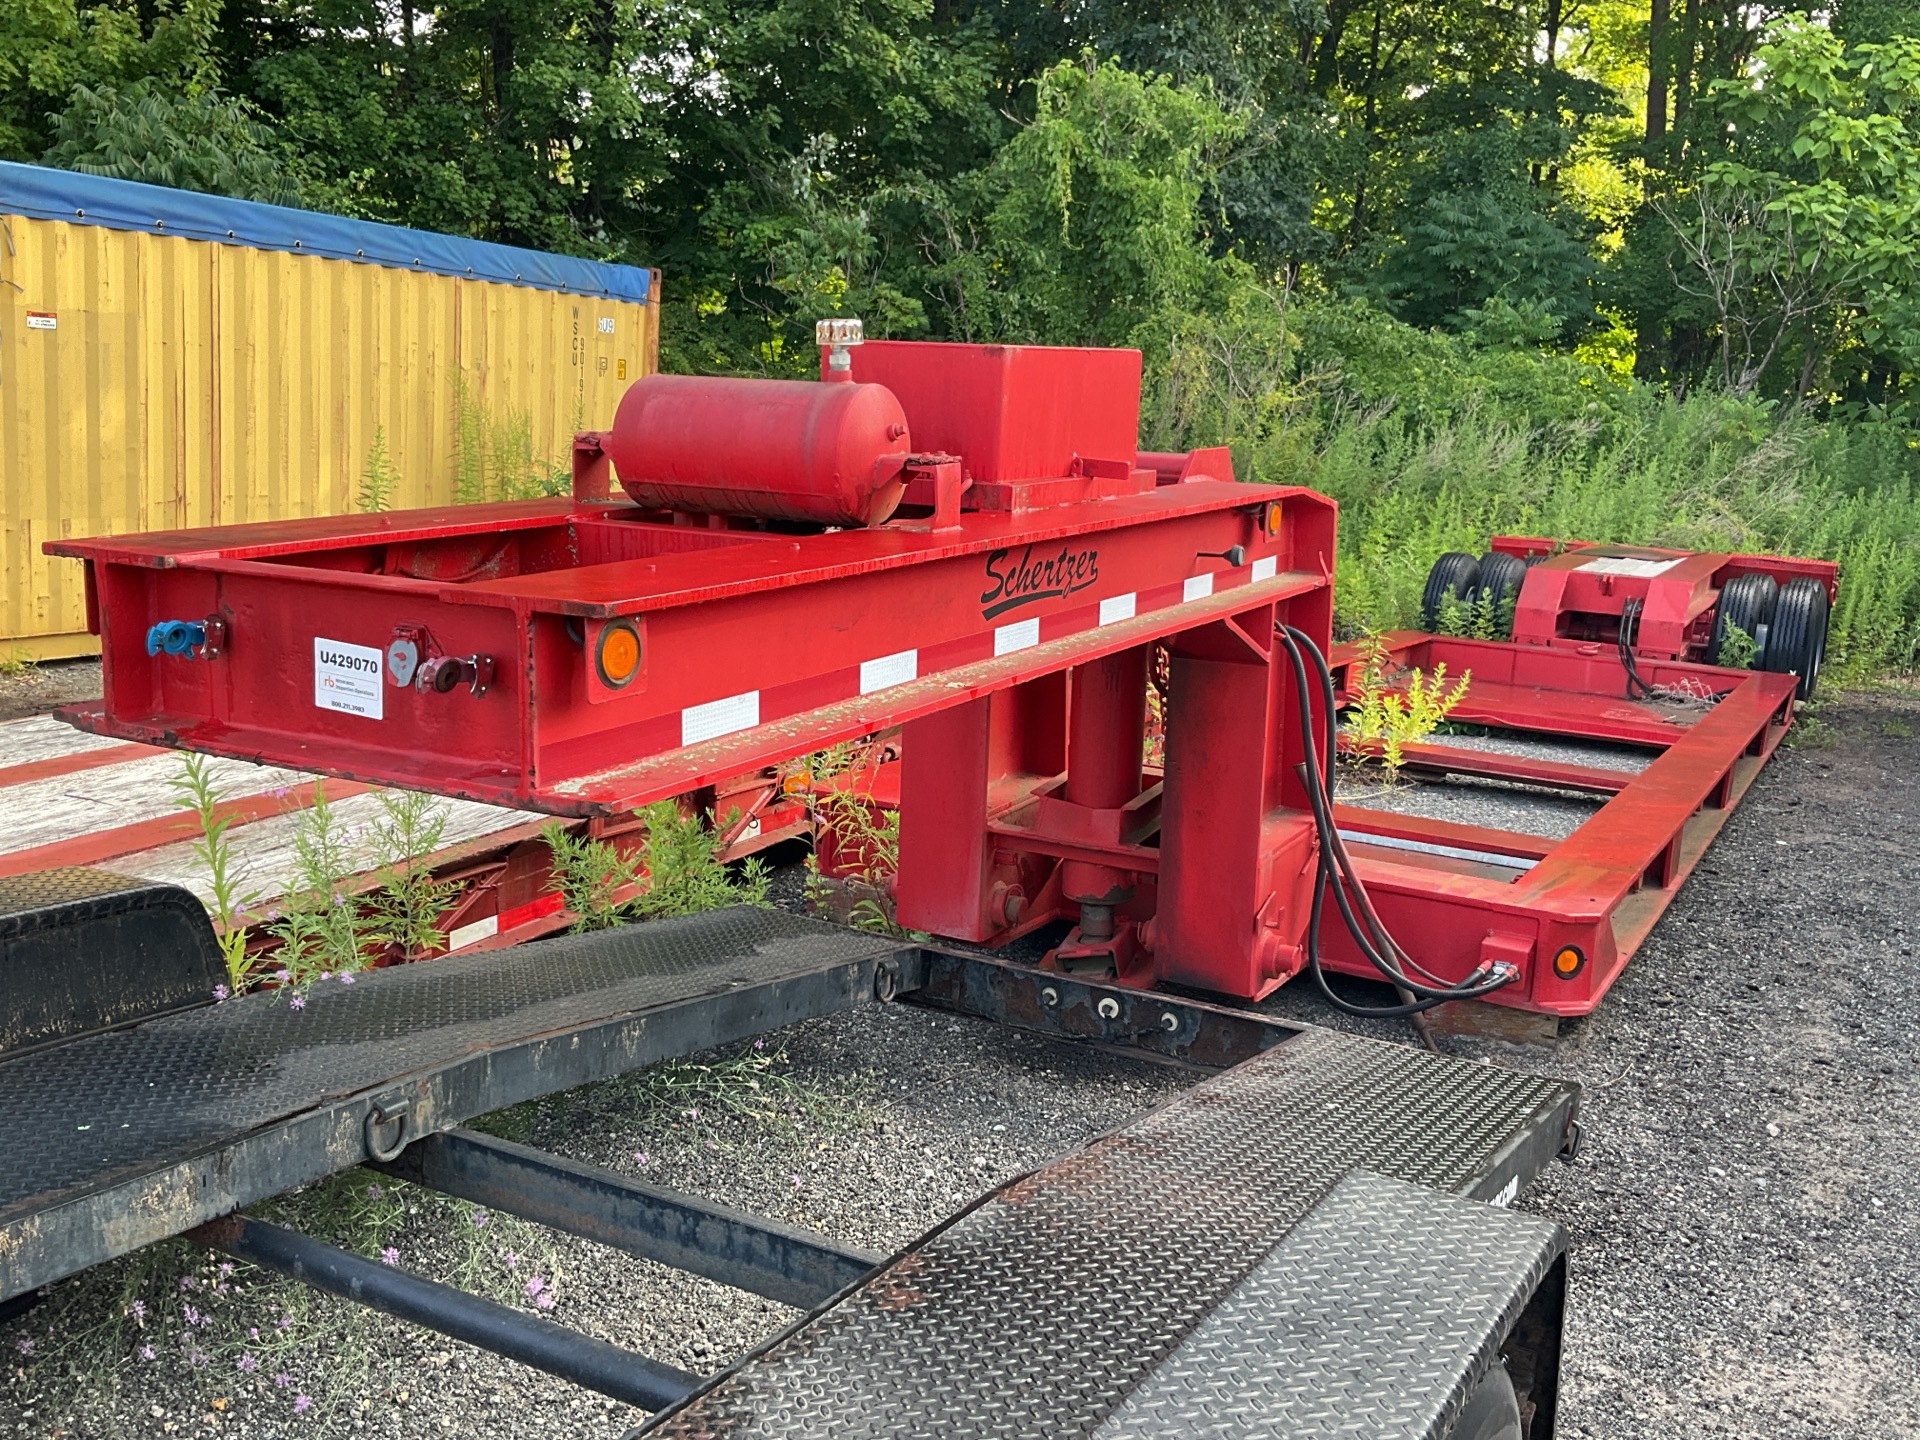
[765, 1257]
[1151, 1025]
[531, 1340]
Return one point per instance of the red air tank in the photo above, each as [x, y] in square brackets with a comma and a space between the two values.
[801, 450]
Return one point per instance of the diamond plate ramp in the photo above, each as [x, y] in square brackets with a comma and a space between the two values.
[117, 1139]
[1042, 1310]
[1372, 1318]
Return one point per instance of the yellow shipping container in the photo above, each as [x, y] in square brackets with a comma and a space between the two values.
[171, 360]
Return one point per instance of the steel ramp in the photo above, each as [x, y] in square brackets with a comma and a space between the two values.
[1263, 1256]
[118, 1139]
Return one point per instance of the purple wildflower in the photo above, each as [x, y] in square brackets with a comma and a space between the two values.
[199, 1359]
[249, 1364]
[479, 1219]
[282, 975]
[301, 1404]
[298, 1002]
[146, 1352]
[220, 992]
[796, 1179]
[253, 1332]
[187, 1282]
[345, 978]
[389, 1256]
[226, 1268]
[326, 974]
[641, 1156]
[193, 1315]
[24, 1344]
[513, 1260]
[139, 1309]
[286, 1323]
[545, 1302]
[374, 1192]
[534, 1287]
[283, 1379]
[760, 1044]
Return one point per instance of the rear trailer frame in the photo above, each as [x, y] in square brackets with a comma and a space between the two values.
[1311, 1167]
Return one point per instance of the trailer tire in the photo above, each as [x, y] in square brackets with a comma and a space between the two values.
[1492, 1412]
[1797, 638]
[1455, 573]
[1747, 601]
[1501, 577]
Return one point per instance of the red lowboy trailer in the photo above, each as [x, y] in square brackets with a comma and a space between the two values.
[964, 541]
[586, 655]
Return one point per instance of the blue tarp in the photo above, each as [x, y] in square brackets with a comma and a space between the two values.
[46, 194]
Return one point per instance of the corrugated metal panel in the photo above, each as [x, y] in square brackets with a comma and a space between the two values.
[187, 383]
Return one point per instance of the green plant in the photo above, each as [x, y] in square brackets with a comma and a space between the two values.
[379, 480]
[865, 840]
[194, 790]
[319, 929]
[403, 909]
[1391, 717]
[685, 874]
[494, 457]
[1737, 649]
[590, 875]
[15, 664]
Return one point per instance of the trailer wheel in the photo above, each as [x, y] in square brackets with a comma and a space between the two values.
[1747, 601]
[1455, 573]
[1797, 639]
[1493, 1410]
[1501, 577]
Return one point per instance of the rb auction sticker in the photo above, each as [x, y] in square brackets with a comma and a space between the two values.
[347, 678]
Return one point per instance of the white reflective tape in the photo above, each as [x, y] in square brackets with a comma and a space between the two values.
[719, 717]
[473, 934]
[895, 669]
[1265, 567]
[1021, 635]
[1116, 608]
[1198, 587]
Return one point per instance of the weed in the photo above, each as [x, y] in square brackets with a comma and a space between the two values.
[16, 665]
[590, 875]
[194, 790]
[379, 481]
[1895, 728]
[319, 928]
[494, 458]
[865, 840]
[1396, 716]
[685, 875]
[404, 908]
[1737, 649]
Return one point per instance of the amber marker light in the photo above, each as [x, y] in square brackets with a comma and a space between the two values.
[1569, 961]
[617, 657]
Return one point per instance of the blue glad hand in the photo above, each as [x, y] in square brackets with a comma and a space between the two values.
[176, 637]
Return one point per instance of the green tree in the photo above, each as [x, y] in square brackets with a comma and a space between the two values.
[205, 142]
[1803, 238]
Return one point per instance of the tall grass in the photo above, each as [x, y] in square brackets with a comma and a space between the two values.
[1431, 446]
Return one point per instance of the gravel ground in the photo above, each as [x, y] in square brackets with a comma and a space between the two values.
[1744, 1220]
[36, 689]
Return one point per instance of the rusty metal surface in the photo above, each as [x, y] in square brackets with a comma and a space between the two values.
[1040, 1311]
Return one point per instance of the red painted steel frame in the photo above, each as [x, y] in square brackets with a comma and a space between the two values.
[1603, 887]
[758, 643]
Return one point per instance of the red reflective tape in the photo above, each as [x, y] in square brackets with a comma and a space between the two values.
[538, 908]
